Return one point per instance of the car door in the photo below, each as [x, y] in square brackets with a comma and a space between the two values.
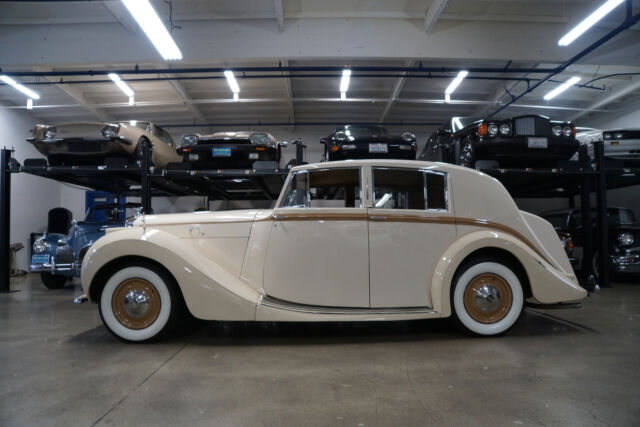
[318, 247]
[410, 226]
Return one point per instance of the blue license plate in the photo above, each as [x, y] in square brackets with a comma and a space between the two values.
[39, 259]
[221, 152]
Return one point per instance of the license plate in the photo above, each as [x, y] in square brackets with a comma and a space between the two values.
[39, 259]
[254, 155]
[537, 142]
[221, 152]
[378, 148]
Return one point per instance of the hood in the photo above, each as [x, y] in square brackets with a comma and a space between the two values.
[73, 130]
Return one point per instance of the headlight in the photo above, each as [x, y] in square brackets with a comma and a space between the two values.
[505, 129]
[492, 129]
[626, 239]
[608, 136]
[50, 133]
[259, 138]
[110, 131]
[566, 130]
[191, 139]
[557, 130]
[618, 135]
[408, 136]
[40, 246]
[341, 136]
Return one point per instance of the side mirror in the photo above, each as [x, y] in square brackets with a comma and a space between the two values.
[323, 141]
[284, 144]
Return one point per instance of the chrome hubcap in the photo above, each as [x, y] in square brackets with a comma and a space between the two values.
[487, 298]
[136, 303]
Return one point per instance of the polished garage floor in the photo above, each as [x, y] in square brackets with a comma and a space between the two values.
[59, 366]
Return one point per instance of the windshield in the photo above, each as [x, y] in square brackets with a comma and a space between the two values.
[363, 130]
[141, 125]
[458, 123]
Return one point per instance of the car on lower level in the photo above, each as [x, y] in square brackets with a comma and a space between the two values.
[623, 236]
[368, 142]
[356, 240]
[231, 150]
[523, 141]
[58, 256]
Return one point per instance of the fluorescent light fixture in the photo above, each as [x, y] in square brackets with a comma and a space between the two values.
[148, 19]
[344, 81]
[589, 22]
[447, 98]
[131, 100]
[236, 96]
[122, 85]
[29, 104]
[231, 81]
[564, 86]
[17, 86]
[456, 82]
[343, 96]
[384, 199]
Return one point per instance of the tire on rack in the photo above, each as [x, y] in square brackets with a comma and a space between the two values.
[487, 297]
[140, 302]
[53, 281]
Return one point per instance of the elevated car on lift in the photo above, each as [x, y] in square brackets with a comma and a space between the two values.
[368, 142]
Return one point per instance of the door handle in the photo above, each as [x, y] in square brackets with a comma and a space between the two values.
[378, 217]
[279, 217]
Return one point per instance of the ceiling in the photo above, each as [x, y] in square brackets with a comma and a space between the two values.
[84, 35]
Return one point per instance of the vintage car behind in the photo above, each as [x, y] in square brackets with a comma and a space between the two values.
[58, 256]
[622, 144]
[368, 142]
[623, 236]
[92, 143]
[347, 241]
[524, 141]
[230, 150]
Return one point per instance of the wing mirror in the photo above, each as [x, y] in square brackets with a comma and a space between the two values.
[284, 144]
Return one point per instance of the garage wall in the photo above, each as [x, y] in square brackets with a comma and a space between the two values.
[31, 196]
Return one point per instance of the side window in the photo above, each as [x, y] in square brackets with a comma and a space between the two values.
[409, 189]
[325, 188]
[164, 136]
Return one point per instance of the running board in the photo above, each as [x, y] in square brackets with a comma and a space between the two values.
[560, 305]
[268, 301]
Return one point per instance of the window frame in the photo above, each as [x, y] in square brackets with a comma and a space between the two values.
[361, 192]
[425, 172]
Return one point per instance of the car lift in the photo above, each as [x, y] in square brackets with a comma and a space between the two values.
[146, 181]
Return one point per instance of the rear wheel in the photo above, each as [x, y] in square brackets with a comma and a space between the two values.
[53, 281]
[140, 303]
[486, 298]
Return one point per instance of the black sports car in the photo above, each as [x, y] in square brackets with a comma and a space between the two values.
[368, 142]
[230, 150]
[524, 141]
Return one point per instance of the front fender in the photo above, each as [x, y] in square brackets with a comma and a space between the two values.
[210, 291]
[548, 284]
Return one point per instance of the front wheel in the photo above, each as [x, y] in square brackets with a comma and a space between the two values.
[53, 281]
[487, 297]
[140, 303]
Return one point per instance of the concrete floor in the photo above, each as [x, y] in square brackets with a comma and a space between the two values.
[59, 366]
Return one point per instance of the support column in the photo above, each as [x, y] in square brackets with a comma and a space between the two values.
[145, 181]
[587, 233]
[5, 220]
[603, 224]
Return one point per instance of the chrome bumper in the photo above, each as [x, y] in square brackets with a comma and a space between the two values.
[53, 268]
[627, 263]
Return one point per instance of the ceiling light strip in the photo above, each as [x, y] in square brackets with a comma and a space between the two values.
[17, 86]
[148, 19]
[564, 86]
[589, 22]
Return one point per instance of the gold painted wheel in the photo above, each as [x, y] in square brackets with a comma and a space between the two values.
[488, 298]
[135, 303]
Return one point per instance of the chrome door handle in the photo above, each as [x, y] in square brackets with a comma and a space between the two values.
[277, 217]
[378, 217]
[194, 227]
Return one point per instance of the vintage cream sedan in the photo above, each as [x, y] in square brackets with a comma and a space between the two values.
[347, 241]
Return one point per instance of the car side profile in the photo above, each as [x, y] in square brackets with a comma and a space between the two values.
[346, 241]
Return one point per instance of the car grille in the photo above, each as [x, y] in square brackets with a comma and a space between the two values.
[531, 126]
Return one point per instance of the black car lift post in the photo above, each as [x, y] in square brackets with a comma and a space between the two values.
[587, 235]
[5, 221]
[145, 180]
[603, 222]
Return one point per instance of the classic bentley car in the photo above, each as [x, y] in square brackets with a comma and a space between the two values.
[91, 143]
[368, 142]
[346, 241]
[230, 150]
[525, 141]
[623, 236]
[58, 256]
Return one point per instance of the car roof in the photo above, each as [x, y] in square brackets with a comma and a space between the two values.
[415, 164]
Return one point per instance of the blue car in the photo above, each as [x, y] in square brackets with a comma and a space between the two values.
[58, 257]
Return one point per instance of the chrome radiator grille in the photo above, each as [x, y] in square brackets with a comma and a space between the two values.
[525, 125]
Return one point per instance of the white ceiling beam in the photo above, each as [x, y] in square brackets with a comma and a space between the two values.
[277, 4]
[182, 93]
[122, 15]
[395, 93]
[433, 14]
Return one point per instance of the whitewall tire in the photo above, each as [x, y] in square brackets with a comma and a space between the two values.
[487, 298]
[138, 303]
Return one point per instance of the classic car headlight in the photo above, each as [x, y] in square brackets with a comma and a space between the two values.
[626, 239]
[505, 129]
[492, 129]
[110, 131]
[607, 135]
[566, 130]
[618, 135]
[50, 132]
[41, 246]
[408, 136]
[191, 139]
[557, 130]
[259, 138]
[341, 136]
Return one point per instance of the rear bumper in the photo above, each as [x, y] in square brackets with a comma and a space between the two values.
[242, 155]
[362, 152]
[516, 150]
